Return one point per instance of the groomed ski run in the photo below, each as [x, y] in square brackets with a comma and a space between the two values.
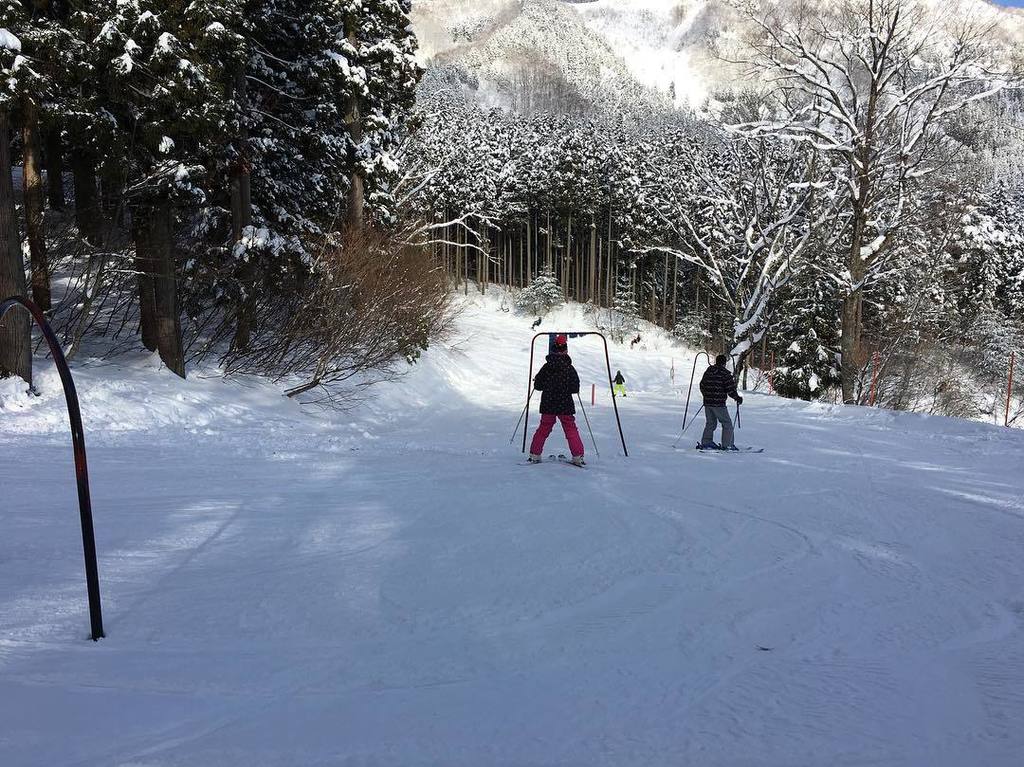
[286, 586]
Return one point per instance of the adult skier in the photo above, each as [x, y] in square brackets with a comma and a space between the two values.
[620, 384]
[557, 381]
[717, 384]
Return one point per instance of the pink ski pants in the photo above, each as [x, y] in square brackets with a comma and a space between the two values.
[547, 423]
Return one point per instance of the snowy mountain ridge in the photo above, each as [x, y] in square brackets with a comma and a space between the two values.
[617, 52]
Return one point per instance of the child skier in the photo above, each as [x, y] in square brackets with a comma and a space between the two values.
[717, 384]
[620, 384]
[557, 381]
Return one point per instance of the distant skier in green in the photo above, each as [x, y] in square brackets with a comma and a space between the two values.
[620, 384]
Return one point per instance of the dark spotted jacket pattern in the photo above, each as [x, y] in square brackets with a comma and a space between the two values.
[557, 381]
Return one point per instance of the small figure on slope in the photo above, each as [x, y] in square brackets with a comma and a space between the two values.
[717, 384]
[620, 384]
[557, 381]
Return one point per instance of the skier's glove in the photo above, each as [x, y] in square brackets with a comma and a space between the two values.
[739, 400]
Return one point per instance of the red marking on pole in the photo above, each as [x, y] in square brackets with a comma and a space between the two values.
[1009, 392]
[593, 395]
[874, 379]
[771, 375]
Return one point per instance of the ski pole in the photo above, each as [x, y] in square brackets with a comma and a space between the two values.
[513, 439]
[738, 424]
[687, 426]
[596, 451]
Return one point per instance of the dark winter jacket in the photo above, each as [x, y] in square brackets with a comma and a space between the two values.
[558, 381]
[619, 379]
[716, 385]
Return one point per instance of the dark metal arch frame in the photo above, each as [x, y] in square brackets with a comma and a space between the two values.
[689, 391]
[92, 577]
[608, 364]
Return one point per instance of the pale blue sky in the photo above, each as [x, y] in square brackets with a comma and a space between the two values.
[1011, 3]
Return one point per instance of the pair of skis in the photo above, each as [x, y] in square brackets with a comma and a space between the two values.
[555, 459]
[720, 449]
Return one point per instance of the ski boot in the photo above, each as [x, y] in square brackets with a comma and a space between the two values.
[535, 458]
[577, 460]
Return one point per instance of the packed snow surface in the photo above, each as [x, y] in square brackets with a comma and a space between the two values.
[389, 586]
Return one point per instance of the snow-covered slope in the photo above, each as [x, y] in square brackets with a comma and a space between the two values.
[389, 587]
[663, 42]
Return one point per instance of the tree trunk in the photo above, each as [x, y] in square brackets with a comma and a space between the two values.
[849, 369]
[592, 276]
[529, 254]
[850, 346]
[35, 201]
[550, 263]
[15, 326]
[665, 295]
[457, 258]
[241, 184]
[675, 293]
[612, 268]
[144, 272]
[241, 218]
[165, 288]
[354, 122]
[87, 207]
[55, 169]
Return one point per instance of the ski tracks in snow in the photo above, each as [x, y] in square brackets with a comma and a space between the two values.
[389, 589]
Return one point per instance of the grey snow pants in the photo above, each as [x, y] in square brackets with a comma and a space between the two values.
[717, 414]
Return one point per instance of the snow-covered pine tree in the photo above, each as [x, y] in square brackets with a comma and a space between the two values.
[358, 66]
[542, 295]
[805, 338]
[163, 103]
[293, 149]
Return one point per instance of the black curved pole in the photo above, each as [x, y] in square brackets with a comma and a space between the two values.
[689, 391]
[529, 394]
[92, 577]
[611, 388]
[608, 365]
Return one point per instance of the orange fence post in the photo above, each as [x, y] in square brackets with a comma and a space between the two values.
[1009, 392]
[593, 395]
